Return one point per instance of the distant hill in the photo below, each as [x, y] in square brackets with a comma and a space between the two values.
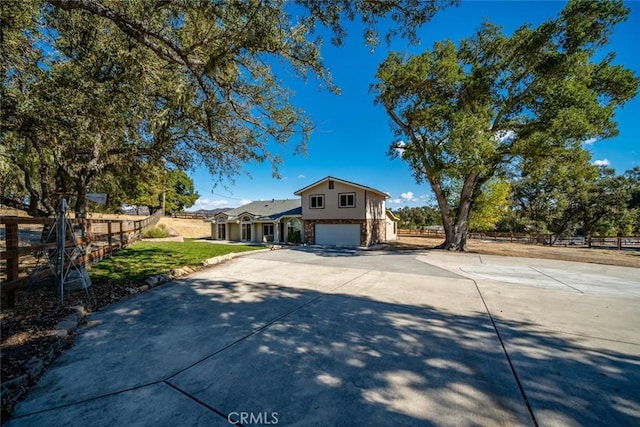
[200, 213]
[210, 212]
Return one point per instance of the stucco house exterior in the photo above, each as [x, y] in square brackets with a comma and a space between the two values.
[261, 221]
[330, 211]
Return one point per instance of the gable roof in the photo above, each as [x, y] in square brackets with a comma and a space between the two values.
[268, 209]
[363, 187]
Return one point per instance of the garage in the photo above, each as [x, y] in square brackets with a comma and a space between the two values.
[338, 234]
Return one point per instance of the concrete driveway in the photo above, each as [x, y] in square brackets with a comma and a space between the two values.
[314, 336]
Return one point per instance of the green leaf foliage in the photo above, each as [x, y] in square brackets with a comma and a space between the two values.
[472, 112]
[92, 88]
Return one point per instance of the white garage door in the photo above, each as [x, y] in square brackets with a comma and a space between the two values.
[338, 234]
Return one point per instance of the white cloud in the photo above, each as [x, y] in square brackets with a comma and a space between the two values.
[407, 196]
[208, 204]
[301, 176]
[589, 141]
[602, 162]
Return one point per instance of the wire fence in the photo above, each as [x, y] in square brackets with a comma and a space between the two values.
[24, 242]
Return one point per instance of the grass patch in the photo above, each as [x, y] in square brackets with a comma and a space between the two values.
[142, 259]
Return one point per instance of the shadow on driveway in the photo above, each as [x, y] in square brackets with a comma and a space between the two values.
[210, 348]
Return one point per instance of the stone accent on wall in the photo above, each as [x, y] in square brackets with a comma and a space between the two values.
[370, 234]
[376, 229]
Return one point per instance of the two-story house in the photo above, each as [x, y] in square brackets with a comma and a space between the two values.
[331, 211]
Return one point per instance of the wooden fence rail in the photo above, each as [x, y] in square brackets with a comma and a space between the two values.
[189, 215]
[22, 245]
[615, 242]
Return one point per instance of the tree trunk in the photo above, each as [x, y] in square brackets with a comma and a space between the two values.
[455, 229]
[456, 239]
[81, 200]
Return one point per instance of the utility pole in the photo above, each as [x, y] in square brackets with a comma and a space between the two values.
[164, 188]
[164, 197]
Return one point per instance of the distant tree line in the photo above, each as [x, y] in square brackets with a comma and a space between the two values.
[562, 198]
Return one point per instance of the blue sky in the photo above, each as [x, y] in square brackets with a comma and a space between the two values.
[352, 135]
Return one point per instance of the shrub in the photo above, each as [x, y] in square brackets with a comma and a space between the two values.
[156, 232]
[294, 237]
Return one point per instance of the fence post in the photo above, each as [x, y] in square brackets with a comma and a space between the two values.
[12, 240]
[12, 244]
[619, 243]
[109, 240]
[121, 234]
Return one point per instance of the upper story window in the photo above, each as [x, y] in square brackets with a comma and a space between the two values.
[347, 200]
[316, 201]
[331, 184]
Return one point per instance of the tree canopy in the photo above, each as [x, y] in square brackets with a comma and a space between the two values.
[469, 113]
[91, 87]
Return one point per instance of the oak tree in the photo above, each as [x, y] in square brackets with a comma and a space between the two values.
[100, 85]
[468, 113]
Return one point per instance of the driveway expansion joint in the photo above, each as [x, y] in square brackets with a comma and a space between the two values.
[81, 401]
[504, 349]
[553, 278]
[198, 401]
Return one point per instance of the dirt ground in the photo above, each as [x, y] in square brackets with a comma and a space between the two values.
[189, 228]
[627, 258]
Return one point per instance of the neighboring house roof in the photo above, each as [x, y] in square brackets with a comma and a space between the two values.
[364, 187]
[211, 212]
[392, 216]
[267, 209]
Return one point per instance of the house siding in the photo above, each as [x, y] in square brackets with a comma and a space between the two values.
[375, 206]
[234, 232]
[332, 207]
[391, 232]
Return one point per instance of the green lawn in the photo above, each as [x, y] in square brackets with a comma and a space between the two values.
[142, 259]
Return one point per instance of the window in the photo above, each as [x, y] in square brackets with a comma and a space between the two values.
[330, 184]
[222, 231]
[316, 201]
[347, 200]
[267, 231]
[246, 232]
